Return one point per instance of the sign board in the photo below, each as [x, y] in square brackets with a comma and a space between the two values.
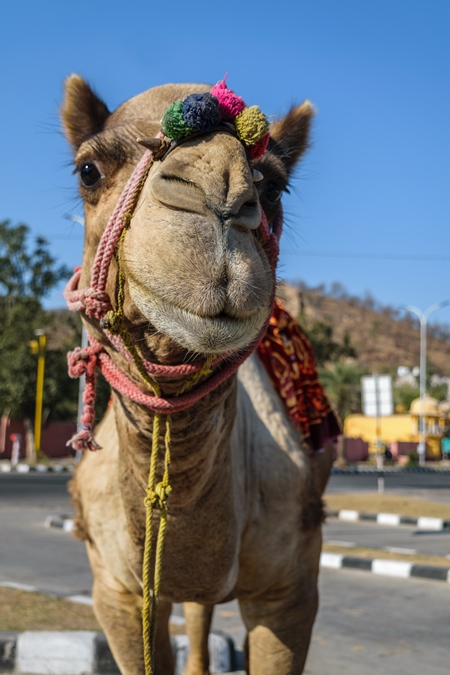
[377, 397]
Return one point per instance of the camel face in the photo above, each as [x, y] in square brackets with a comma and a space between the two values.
[194, 266]
[196, 272]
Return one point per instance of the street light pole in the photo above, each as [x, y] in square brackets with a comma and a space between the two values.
[423, 318]
[38, 347]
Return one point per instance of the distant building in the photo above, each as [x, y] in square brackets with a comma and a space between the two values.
[399, 432]
[406, 376]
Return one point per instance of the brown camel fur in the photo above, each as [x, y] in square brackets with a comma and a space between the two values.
[245, 511]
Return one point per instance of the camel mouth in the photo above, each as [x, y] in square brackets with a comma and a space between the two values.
[217, 334]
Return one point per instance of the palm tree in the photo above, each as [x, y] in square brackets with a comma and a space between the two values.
[342, 383]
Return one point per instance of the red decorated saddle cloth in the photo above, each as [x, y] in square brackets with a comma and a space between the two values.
[288, 357]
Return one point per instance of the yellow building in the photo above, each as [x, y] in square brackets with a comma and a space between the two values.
[403, 428]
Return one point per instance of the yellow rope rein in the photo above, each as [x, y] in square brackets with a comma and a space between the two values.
[157, 497]
[157, 494]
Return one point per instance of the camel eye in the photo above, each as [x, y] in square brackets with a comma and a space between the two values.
[273, 192]
[89, 175]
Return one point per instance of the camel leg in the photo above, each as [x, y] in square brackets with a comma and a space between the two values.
[119, 613]
[245, 649]
[198, 621]
[279, 634]
[279, 629]
[164, 659]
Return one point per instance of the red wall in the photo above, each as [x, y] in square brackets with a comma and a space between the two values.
[356, 450]
[53, 439]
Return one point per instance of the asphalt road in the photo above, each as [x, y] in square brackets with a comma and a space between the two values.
[366, 624]
[32, 486]
[372, 535]
[35, 489]
[31, 553]
[369, 625]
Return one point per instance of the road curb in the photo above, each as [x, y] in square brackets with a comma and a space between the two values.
[81, 652]
[7, 651]
[391, 568]
[392, 519]
[66, 522]
[22, 467]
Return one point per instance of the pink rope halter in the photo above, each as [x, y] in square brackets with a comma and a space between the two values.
[95, 302]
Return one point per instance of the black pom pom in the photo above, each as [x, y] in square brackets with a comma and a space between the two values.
[201, 112]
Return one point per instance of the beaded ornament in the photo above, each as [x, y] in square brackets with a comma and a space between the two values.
[204, 112]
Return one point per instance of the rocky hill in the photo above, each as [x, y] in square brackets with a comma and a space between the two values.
[384, 337]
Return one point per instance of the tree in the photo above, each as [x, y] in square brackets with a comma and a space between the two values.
[439, 391]
[326, 349]
[404, 395]
[28, 272]
[342, 383]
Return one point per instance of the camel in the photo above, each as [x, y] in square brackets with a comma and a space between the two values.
[245, 510]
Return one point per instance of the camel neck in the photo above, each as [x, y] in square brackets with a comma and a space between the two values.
[199, 445]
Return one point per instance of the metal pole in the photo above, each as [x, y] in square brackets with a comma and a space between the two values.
[423, 318]
[42, 341]
[380, 457]
[423, 389]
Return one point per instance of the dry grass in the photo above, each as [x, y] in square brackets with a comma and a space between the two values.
[386, 503]
[363, 552]
[21, 610]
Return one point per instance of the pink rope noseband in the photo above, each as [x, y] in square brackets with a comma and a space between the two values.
[95, 302]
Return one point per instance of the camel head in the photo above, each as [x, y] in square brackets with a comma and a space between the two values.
[197, 276]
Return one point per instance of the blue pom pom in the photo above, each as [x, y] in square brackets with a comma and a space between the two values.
[201, 112]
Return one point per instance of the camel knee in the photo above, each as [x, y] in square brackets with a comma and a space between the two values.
[120, 614]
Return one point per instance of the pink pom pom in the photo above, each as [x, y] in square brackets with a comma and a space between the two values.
[222, 84]
[230, 103]
[258, 149]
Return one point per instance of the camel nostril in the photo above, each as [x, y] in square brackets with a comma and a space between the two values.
[248, 217]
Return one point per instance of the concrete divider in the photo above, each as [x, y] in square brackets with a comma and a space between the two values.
[87, 652]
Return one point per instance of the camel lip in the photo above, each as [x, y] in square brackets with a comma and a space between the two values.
[216, 334]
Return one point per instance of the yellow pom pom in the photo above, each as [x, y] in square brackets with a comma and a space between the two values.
[251, 125]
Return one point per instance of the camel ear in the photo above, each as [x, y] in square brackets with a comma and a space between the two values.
[83, 113]
[290, 135]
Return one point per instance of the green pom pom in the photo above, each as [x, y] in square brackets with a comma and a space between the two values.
[173, 124]
[251, 125]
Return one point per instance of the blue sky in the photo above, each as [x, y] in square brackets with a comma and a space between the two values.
[370, 204]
